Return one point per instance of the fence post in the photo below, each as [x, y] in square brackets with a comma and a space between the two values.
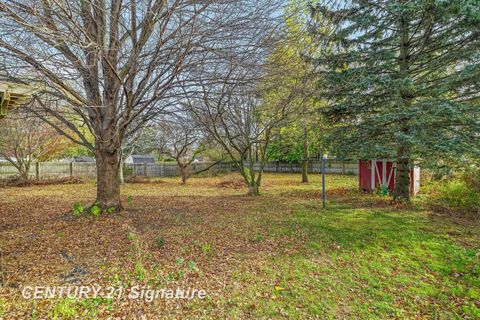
[37, 170]
[343, 167]
[145, 169]
[71, 169]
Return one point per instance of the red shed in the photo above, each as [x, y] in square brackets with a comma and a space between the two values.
[383, 173]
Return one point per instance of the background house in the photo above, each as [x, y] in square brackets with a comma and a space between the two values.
[135, 158]
[83, 159]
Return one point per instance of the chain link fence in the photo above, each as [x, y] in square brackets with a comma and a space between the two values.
[56, 170]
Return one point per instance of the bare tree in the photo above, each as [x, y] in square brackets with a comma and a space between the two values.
[181, 139]
[112, 66]
[25, 139]
[236, 116]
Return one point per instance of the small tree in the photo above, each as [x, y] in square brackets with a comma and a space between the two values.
[181, 139]
[228, 101]
[25, 139]
[237, 118]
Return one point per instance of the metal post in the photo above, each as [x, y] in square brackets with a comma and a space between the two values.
[324, 196]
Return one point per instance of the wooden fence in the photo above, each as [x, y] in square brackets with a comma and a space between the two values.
[53, 170]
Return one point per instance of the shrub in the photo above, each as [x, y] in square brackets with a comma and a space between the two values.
[382, 190]
[471, 177]
[95, 210]
[457, 195]
[127, 171]
[78, 209]
[110, 210]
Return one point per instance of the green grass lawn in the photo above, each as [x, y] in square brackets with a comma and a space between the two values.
[362, 262]
[278, 256]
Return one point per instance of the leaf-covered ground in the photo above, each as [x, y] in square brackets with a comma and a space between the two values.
[276, 256]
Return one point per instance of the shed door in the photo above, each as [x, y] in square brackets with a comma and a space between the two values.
[384, 174]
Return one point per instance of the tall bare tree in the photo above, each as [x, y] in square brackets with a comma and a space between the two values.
[110, 63]
[233, 108]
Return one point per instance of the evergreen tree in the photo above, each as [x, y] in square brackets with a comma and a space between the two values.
[402, 79]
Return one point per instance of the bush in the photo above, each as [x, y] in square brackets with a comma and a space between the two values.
[78, 209]
[458, 195]
[95, 210]
[471, 177]
[127, 171]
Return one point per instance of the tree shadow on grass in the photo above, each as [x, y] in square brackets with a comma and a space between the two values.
[406, 237]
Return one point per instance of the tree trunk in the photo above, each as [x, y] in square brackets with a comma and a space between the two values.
[121, 176]
[249, 176]
[401, 190]
[253, 189]
[305, 171]
[23, 177]
[108, 182]
[184, 171]
[23, 171]
[305, 156]
[184, 179]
